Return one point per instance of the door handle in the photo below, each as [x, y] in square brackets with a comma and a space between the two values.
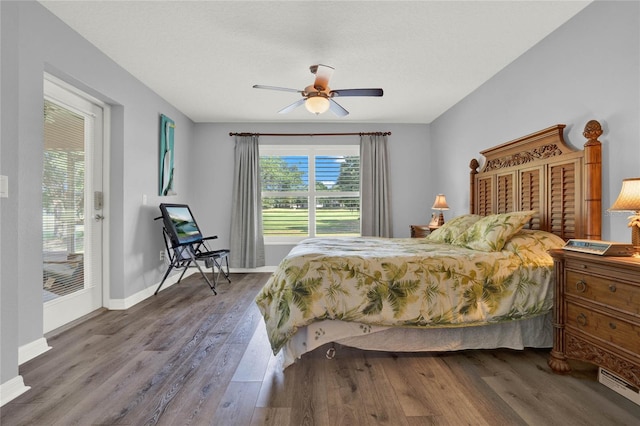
[98, 217]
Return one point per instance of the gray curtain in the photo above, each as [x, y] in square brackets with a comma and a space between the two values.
[374, 186]
[247, 242]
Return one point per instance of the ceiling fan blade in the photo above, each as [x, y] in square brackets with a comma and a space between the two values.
[337, 109]
[357, 92]
[323, 75]
[292, 106]
[282, 89]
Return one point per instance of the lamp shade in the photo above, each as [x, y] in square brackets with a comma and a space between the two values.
[317, 104]
[440, 203]
[629, 197]
[629, 200]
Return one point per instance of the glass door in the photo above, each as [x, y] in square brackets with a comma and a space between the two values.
[71, 207]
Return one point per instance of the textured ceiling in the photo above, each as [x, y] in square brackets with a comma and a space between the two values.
[203, 57]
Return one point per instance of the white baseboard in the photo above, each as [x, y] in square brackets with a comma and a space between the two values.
[31, 350]
[122, 304]
[12, 389]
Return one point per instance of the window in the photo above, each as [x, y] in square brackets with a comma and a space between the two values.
[310, 191]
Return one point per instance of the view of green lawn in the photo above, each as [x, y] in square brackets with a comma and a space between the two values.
[294, 222]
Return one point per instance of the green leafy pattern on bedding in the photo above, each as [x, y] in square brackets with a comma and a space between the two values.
[407, 282]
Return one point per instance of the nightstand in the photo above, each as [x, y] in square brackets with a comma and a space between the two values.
[420, 231]
[597, 313]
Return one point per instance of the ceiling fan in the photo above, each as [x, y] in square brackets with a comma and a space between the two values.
[318, 97]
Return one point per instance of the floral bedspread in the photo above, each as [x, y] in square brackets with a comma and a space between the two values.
[407, 282]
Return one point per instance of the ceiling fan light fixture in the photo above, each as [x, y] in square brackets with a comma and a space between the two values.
[318, 97]
[317, 104]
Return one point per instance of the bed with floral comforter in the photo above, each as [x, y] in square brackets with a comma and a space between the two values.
[466, 274]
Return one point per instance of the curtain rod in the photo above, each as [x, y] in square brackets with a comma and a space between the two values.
[310, 134]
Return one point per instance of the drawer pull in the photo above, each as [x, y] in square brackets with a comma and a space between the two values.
[612, 288]
[581, 286]
[581, 319]
[612, 325]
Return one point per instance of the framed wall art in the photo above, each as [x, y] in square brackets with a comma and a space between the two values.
[166, 183]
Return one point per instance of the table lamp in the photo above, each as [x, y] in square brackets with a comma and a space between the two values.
[629, 200]
[440, 204]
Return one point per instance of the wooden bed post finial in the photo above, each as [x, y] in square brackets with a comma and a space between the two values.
[592, 131]
[473, 165]
[593, 190]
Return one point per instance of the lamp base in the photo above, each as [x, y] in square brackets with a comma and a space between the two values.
[441, 221]
[635, 236]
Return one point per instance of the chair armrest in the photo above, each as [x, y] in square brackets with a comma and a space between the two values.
[190, 243]
[213, 237]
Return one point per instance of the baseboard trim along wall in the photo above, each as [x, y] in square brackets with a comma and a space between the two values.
[121, 304]
[31, 350]
[11, 389]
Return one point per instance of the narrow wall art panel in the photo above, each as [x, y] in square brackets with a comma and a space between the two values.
[166, 183]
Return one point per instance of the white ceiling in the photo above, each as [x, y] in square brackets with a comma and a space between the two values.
[203, 57]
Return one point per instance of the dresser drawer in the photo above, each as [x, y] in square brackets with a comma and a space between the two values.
[618, 295]
[621, 333]
[593, 268]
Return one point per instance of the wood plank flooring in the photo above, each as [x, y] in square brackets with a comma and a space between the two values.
[187, 357]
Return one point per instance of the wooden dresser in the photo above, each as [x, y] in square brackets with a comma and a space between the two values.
[597, 313]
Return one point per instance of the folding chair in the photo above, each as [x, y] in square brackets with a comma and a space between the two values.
[186, 245]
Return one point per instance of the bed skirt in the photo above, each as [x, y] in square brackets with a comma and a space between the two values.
[535, 332]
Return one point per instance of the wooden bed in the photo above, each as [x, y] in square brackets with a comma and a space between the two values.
[538, 172]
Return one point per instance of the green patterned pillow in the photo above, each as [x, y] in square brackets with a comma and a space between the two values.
[527, 238]
[492, 232]
[450, 230]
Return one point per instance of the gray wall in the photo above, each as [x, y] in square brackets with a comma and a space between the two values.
[409, 150]
[587, 69]
[33, 40]
[8, 206]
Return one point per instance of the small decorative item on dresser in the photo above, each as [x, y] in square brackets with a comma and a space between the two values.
[433, 224]
[629, 200]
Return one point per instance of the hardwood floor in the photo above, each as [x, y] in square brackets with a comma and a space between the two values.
[187, 357]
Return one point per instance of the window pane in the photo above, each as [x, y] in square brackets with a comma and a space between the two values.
[63, 183]
[338, 173]
[309, 191]
[284, 173]
[327, 171]
[285, 216]
[337, 216]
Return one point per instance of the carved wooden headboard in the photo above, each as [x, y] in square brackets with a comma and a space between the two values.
[540, 172]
